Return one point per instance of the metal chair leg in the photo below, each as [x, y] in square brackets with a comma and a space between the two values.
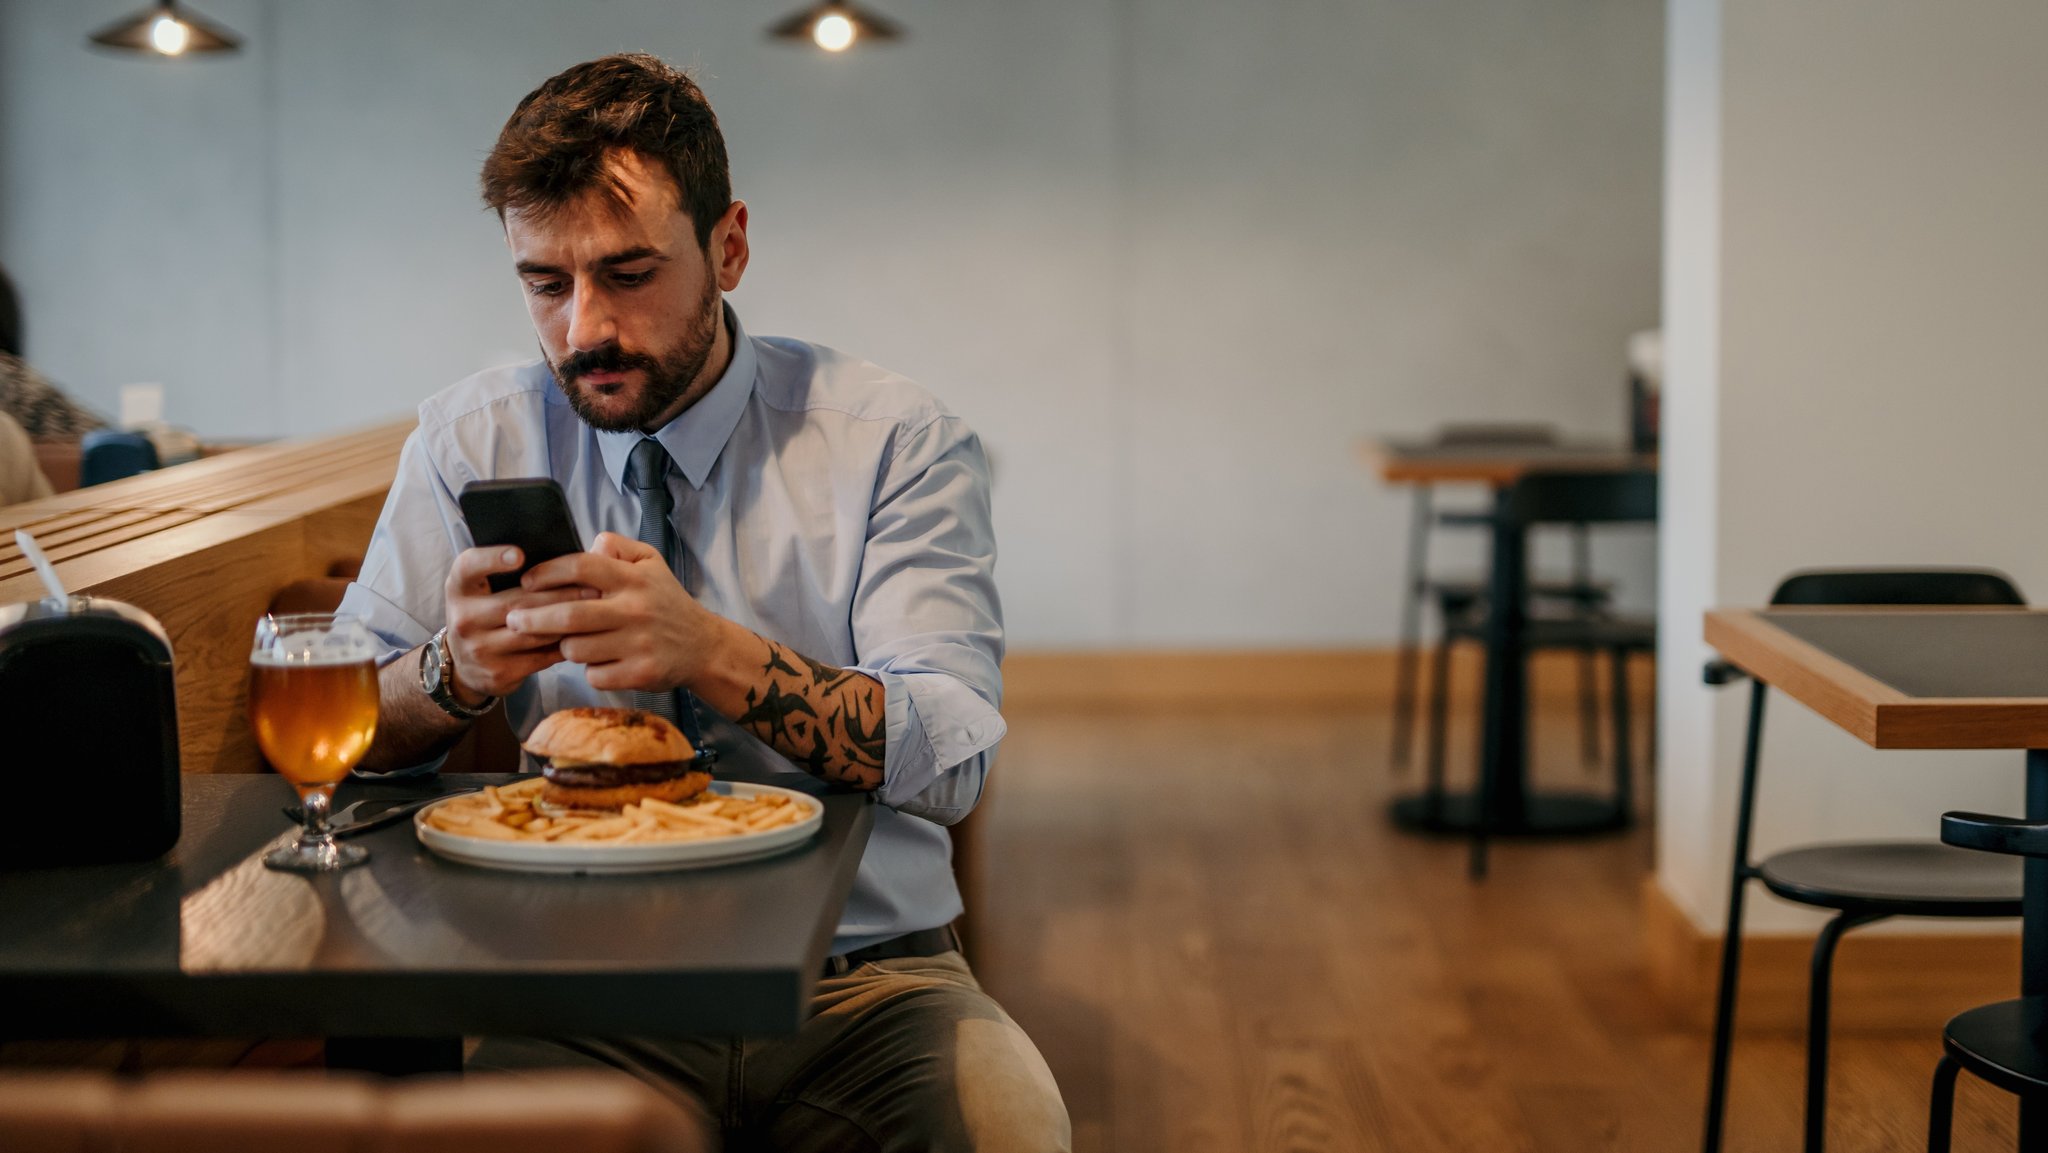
[1589, 708]
[1941, 1107]
[1819, 994]
[1589, 676]
[1731, 939]
[1439, 724]
[1411, 626]
[1624, 765]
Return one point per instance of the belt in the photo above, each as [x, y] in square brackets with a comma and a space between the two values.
[923, 943]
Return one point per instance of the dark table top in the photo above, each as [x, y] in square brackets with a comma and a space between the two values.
[208, 942]
[1935, 654]
[1906, 678]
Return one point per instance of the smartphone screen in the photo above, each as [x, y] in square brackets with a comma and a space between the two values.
[528, 512]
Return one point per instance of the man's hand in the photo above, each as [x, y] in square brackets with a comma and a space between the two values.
[492, 660]
[644, 632]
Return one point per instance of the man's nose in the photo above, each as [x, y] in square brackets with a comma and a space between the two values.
[590, 322]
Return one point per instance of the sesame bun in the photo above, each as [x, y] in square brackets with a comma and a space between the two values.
[609, 758]
[608, 737]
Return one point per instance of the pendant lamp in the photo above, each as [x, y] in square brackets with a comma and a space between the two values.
[836, 25]
[167, 29]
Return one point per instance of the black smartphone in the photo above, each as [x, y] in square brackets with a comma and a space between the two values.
[529, 512]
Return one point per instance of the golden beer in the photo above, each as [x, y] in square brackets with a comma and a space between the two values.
[313, 718]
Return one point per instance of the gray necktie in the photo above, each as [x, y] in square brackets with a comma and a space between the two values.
[647, 472]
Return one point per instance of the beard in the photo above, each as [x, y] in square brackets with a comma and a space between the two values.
[667, 378]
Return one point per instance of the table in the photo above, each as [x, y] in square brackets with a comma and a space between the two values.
[207, 942]
[1518, 809]
[1915, 678]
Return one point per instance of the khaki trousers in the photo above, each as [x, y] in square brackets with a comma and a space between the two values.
[903, 1054]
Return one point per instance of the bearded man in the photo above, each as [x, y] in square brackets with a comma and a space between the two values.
[778, 530]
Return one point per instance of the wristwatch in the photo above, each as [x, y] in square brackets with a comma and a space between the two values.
[437, 678]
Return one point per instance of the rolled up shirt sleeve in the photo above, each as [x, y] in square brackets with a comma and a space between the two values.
[399, 590]
[927, 622]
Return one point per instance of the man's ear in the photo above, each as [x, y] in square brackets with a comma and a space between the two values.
[729, 246]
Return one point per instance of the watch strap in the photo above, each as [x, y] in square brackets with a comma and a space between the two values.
[443, 692]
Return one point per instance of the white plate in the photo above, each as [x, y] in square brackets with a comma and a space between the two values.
[660, 856]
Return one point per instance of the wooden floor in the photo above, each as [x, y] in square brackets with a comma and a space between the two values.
[1219, 943]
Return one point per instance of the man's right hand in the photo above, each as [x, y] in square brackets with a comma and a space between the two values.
[490, 659]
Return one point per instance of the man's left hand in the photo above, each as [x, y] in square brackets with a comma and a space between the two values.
[645, 632]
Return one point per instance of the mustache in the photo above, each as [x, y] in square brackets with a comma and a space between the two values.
[610, 358]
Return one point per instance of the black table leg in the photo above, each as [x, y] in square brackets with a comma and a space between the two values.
[396, 1056]
[2034, 938]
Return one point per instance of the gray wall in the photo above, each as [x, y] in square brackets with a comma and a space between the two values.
[1859, 263]
[1172, 257]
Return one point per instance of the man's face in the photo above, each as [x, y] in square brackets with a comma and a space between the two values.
[625, 303]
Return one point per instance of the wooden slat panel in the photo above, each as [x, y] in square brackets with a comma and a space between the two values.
[203, 547]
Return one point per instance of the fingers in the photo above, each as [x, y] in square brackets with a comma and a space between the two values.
[470, 576]
[591, 569]
[623, 548]
[567, 617]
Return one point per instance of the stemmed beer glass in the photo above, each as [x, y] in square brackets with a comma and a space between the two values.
[313, 704]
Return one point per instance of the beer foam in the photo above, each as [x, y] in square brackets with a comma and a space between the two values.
[316, 652]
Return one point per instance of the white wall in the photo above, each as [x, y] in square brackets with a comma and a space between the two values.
[1859, 378]
[1172, 257]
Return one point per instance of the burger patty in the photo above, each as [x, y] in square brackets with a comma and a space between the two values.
[613, 776]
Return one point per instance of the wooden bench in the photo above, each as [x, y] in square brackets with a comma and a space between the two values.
[203, 547]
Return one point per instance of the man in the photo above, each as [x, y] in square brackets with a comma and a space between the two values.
[831, 591]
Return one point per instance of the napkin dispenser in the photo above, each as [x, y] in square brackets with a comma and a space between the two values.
[88, 734]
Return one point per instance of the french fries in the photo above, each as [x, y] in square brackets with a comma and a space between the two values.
[508, 813]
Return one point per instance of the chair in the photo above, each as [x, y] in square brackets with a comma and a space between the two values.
[1456, 595]
[1863, 882]
[234, 1111]
[1583, 499]
[110, 454]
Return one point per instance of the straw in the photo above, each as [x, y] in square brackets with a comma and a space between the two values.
[44, 570]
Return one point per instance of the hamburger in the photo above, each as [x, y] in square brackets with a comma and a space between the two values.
[596, 758]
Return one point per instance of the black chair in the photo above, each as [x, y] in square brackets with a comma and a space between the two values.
[1584, 499]
[1456, 596]
[111, 454]
[1863, 882]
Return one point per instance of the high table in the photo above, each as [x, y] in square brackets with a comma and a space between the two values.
[411, 950]
[1913, 678]
[1505, 714]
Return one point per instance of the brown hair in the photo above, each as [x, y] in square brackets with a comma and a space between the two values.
[556, 145]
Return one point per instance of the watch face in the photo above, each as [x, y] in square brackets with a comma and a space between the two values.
[430, 667]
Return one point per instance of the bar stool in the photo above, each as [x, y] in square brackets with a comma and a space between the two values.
[2000, 1042]
[1865, 882]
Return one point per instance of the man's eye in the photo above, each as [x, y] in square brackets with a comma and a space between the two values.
[632, 279]
[544, 287]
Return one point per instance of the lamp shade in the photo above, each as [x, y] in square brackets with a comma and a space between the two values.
[836, 25]
[167, 29]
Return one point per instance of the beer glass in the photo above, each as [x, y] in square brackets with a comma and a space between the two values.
[313, 704]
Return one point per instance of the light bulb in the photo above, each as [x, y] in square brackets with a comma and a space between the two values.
[170, 35]
[833, 32]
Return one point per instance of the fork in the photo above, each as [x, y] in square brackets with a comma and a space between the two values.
[341, 825]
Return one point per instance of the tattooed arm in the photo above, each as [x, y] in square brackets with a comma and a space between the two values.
[830, 721]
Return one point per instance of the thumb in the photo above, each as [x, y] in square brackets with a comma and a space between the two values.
[623, 548]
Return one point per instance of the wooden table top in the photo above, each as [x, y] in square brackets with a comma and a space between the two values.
[208, 942]
[1401, 461]
[1902, 678]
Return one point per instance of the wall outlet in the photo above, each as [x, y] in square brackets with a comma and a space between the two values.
[141, 404]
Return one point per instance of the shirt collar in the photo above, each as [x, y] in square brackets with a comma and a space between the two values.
[695, 438]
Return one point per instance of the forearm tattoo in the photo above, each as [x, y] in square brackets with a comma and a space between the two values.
[830, 721]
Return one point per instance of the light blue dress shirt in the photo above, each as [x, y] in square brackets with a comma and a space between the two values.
[822, 502]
